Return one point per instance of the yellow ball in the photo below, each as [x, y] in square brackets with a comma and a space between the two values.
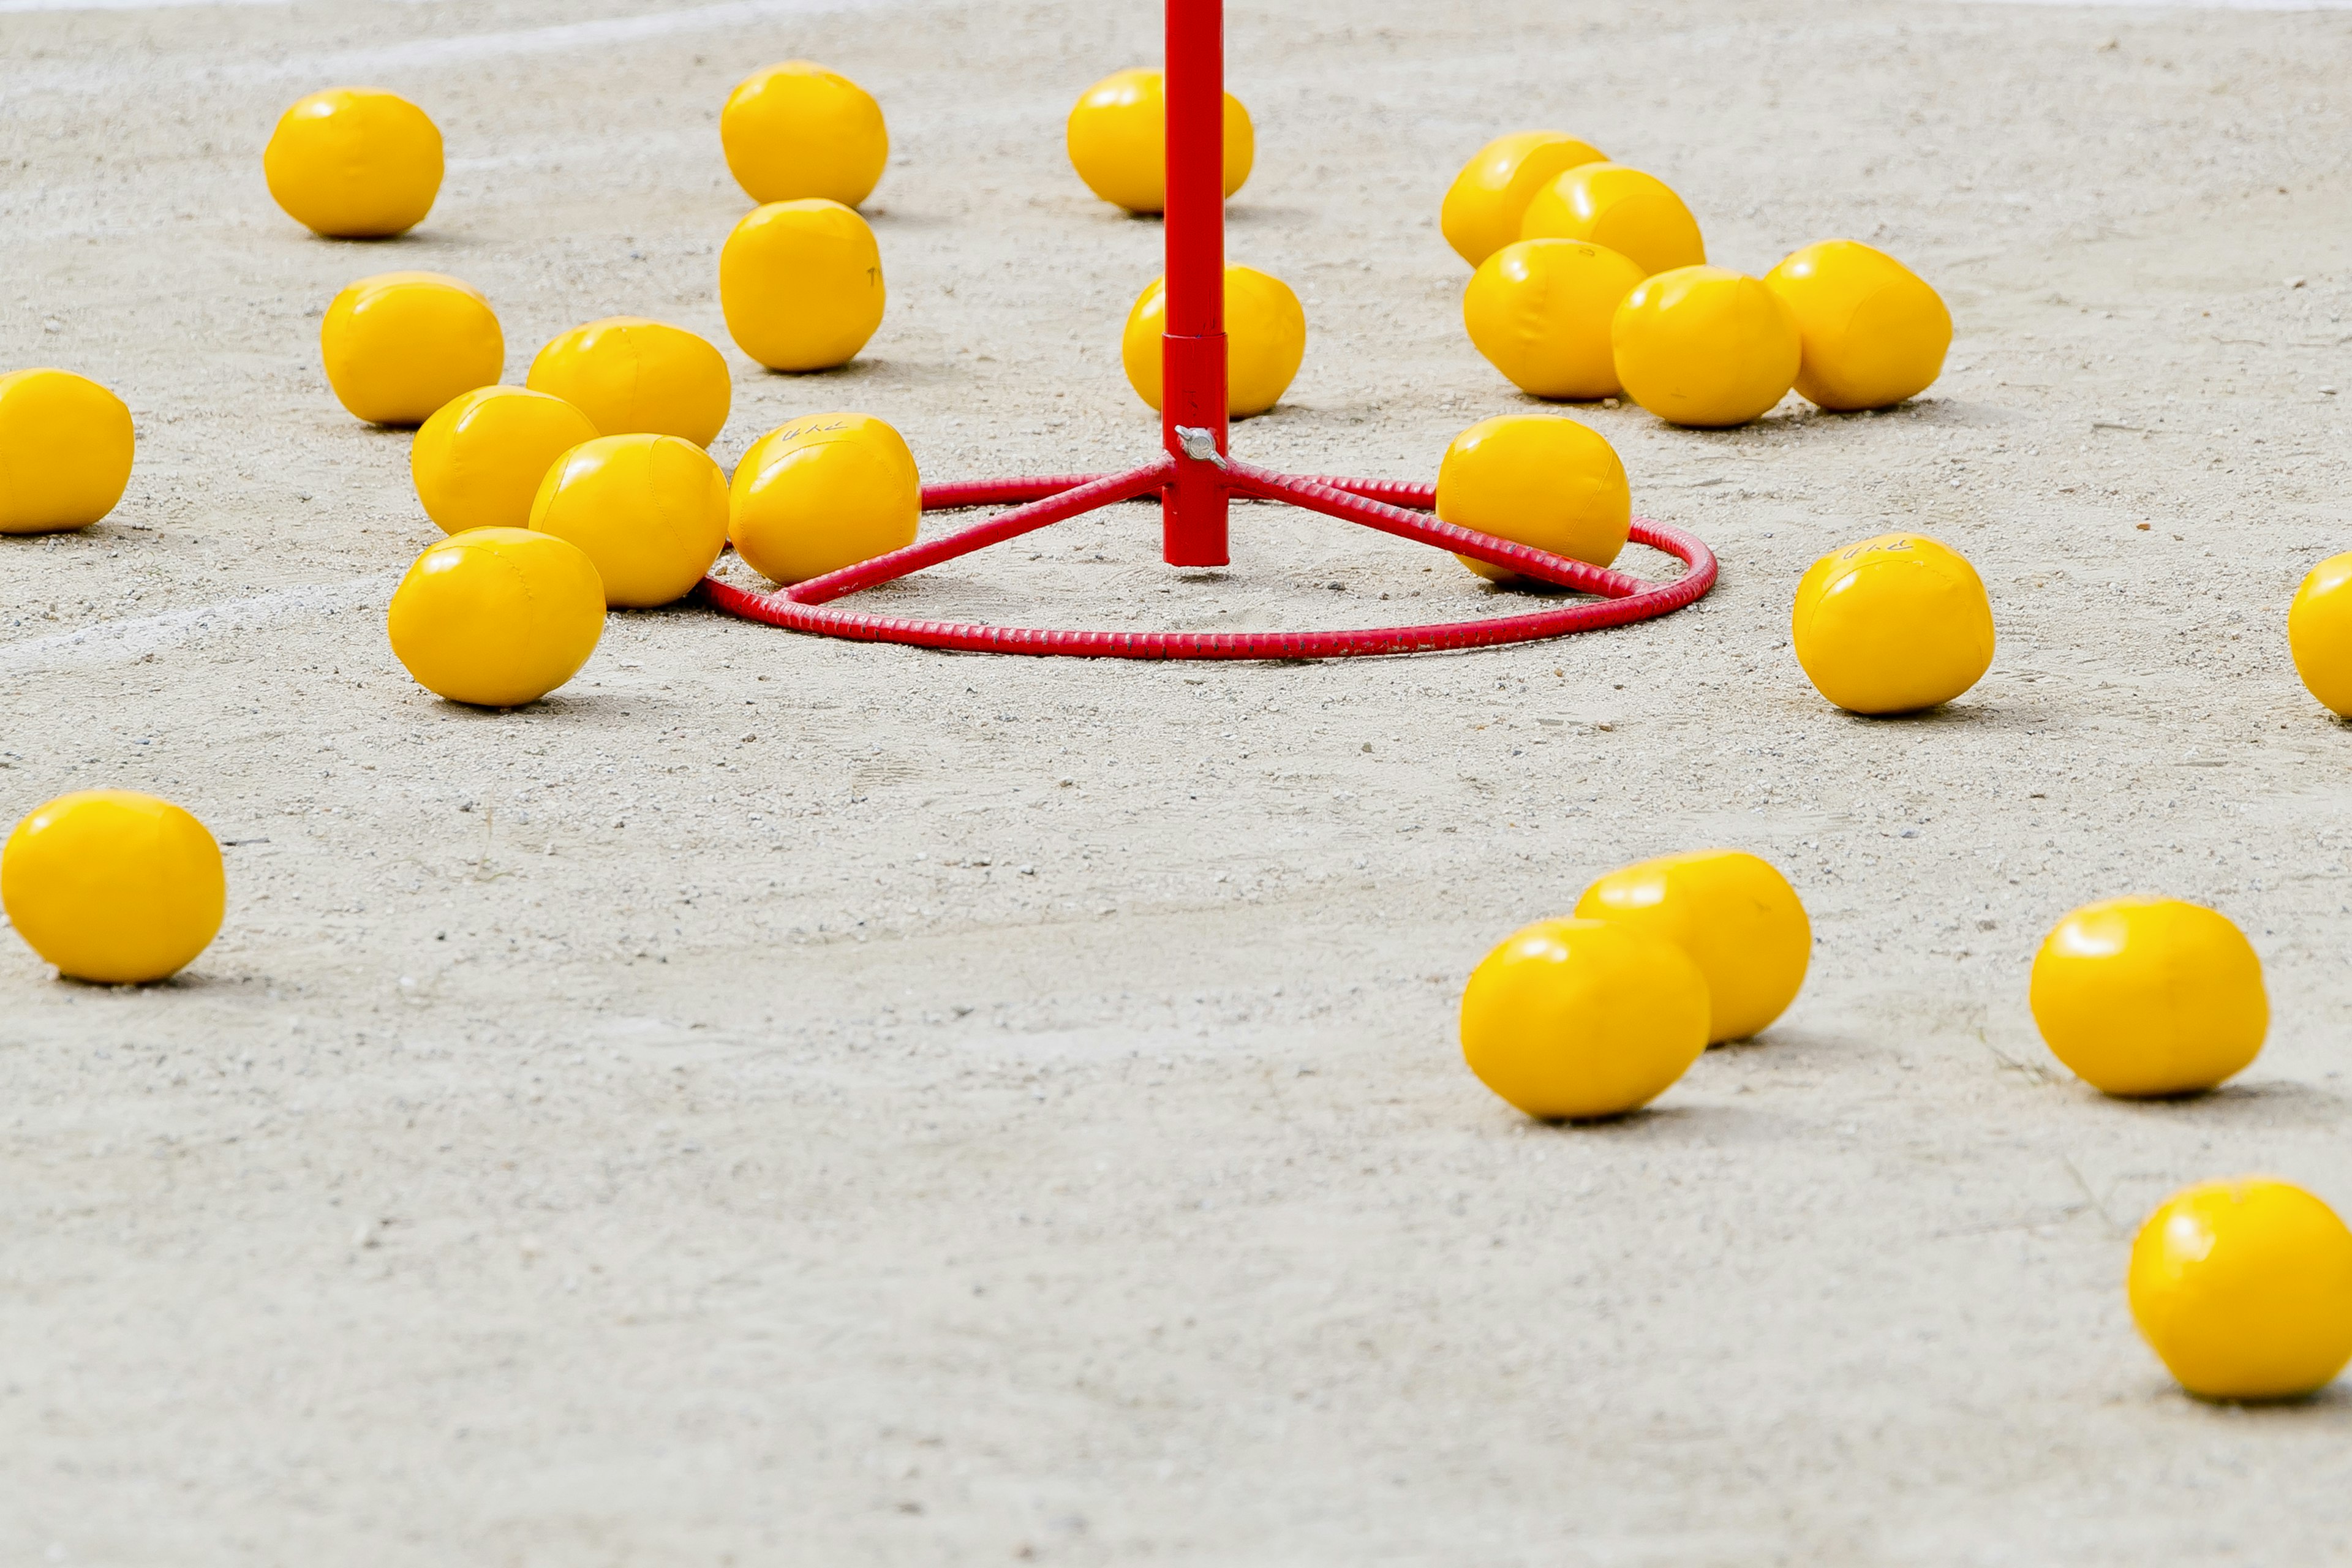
[797, 131]
[112, 886]
[399, 345]
[821, 493]
[497, 616]
[1570, 1018]
[1737, 916]
[354, 162]
[1265, 338]
[1892, 625]
[1482, 207]
[633, 376]
[65, 451]
[2244, 1288]
[650, 511]
[1536, 479]
[478, 460]
[2318, 630]
[2149, 996]
[1633, 214]
[1540, 311]
[1705, 346]
[1118, 140]
[1873, 332]
[801, 284]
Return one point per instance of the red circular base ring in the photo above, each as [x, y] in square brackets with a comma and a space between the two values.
[1042, 501]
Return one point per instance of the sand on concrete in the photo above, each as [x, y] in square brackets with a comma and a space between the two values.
[787, 1102]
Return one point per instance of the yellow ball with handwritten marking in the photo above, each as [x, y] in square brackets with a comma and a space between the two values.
[66, 447]
[1482, 207]
[2318, 632]
[1536, 479]
[1266, 340]
[477, 462]
[399, 345]
[1634, 214]
[1570, 1019]
[1892, 625]
[1704, 346]
[112, 886]
[354, 162]
[2149, 996]
[497, 616]
[1541, 310]
[2244, 1288]
[823, 492]
[801, 285]
[796, 129]
[1737, 916]
[650, 511]
[631, 376]
[1118, 138]
[1873, 332]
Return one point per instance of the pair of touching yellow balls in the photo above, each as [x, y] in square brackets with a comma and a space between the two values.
[1598, 1014]
[113, 887]
[1118, 141]
[65, 451]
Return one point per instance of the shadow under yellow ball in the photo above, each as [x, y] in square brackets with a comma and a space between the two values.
[1571, 1019]
[1118, 138]
[797, 131]
[1873, 332]
[1892, 625]
[650, 511]
[2318, 632]
[2149, 996]
[1737, 916]
[1536, 479]
[399, 345]
[823, 492]
[2244, 1288]
[631, 376]
[66, 448]
[1704, 346]
[1266, 340]
[497, 616]
[113, 887]
[354, 162]
[1481, 209]
[1634, 214]
[1541, 310]
[477, 462]
[801, 285]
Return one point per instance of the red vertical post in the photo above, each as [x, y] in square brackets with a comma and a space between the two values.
[1193, 362]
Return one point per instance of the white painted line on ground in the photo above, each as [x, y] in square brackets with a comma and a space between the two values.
[126, 641]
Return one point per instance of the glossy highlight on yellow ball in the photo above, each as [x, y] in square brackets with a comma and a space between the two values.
[631, 376]
[801, 285]
[1634, 214]
[1542, 310]
[497, 616]
[399, 345]
[1892, 625]
[2318, 632]
[2149, 996]
[1734, 913]
[796, 131]
[354, 162]
[1118, 138]
[2244, 1288]
[822, 492]
[113, 887]
[477, 462]
[1704, 346]
[65, 449]
[1536, 479]
[1873, 332]
[1482, 207]
[1573, 1019]
[649, 510]
[1265, 338]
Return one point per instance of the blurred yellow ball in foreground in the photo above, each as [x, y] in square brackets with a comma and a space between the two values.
[1737, 916]
[795, 130]
[1571, 1018]
[631, 376]
[1118, 139]
[112, 886]
[399, 345]
[1704, 346]
[2244, 1288]
[1892, 625]
[1873, 332]
[1536, 479]
[1266, 340]
[1633, 214]
[65, 451]
[1482, 207]
[801, 285]
[497, 616]
[1541, 312]
[2149, 996]
[821, 493]
[354, 162]
[650, 511]
[478, 460]
[2318, 631]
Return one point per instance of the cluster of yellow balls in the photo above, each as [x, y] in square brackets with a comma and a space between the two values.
[2243, 1287]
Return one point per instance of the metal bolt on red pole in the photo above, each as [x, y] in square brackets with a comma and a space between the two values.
[1196, 477]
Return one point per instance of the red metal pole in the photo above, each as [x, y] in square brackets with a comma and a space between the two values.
[1193, 364]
